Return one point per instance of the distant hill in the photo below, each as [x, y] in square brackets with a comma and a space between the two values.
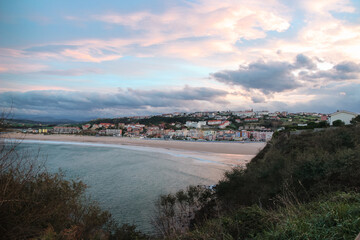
[45, 120]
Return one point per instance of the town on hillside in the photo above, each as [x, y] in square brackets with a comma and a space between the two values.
[247, 125]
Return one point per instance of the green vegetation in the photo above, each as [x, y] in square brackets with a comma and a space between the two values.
[302, 186]
[338, 123]
[308, 164]
[355, 120]
[176, 212]
[333, 216]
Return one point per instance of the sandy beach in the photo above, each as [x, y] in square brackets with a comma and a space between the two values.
[209, 147]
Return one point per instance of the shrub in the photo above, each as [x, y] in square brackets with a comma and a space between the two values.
[333, 216]
[175, 213]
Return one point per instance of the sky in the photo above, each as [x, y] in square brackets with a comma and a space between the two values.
[88, 59]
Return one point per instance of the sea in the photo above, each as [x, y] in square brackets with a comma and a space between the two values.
[127, 180]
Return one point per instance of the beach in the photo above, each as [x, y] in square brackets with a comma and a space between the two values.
[126, 174]
[127, 179]
[251, 148]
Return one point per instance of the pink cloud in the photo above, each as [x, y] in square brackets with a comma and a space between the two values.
[84, 55]
[21, 67]
[227, 20]
[25, 88]
[216, 25]
[321, 7]
[209, 32]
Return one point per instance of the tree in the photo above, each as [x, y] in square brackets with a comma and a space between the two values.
[355, 120]
[338, 123]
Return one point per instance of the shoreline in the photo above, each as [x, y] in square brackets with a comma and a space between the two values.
[237, 148]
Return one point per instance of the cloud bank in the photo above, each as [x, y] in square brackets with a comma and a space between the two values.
[123, 102]
[275, 76]
[291, 54]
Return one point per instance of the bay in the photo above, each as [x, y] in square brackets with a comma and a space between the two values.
[127, 180]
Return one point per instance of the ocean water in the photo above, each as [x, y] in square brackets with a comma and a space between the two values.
[127, 180]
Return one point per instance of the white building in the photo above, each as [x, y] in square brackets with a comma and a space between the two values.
[214, 122]
[262, 113]
[58, 129]
[247, 113]
[195, 124]
[113, 132]
[344, 116]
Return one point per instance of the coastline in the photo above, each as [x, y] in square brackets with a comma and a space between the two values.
[208, 147]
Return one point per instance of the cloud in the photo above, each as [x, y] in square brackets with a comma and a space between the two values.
[347, 67]
[226, 20]
[328, 100]
[21, 67]
[194, 30]
[70, 72]
[50, 48]
[270, 77]
[81, 51]
[123, 102]
[325, 6]
[340, 72]
[266, 76]
[303, 61]
[190, 39]
[257, 99]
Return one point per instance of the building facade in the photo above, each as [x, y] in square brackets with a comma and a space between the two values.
[344, 116]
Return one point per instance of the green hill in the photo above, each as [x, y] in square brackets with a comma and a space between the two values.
[303, 186]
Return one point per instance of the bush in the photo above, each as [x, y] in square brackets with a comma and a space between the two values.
[175, 213]
[338, 123]
[334, 216]
[243, 223]
[33, 199]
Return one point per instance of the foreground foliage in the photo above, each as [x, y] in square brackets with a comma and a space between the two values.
[300, 186]
[177, 212]
[334, 216]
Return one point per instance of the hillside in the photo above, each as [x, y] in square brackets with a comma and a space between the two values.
[303, 186]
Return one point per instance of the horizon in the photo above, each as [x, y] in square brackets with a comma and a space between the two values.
[86, 60]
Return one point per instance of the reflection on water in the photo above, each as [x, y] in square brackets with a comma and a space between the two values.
[126, 180]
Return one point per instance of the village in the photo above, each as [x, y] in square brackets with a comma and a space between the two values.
[247, 125]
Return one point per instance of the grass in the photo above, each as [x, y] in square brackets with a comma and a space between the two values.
[331, 217]
[334, 216]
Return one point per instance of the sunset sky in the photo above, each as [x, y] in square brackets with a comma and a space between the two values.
[85, 59]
